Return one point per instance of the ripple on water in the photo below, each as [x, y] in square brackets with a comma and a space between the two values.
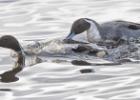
[41, 19]
[8, 1]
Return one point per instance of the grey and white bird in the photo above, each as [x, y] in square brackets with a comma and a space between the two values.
[113, 30]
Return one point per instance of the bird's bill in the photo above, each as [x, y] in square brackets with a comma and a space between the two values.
[70, 36]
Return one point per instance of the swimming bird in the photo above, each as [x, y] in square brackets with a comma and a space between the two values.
[10, 42]
[108, 31]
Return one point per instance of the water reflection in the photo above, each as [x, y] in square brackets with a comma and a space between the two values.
[63, 81]
[5, 89]
[8, 1]
[10, 76]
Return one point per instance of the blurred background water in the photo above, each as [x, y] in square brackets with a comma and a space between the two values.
[46, 19]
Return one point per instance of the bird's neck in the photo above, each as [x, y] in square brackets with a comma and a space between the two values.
[21, 60]
[93, 33]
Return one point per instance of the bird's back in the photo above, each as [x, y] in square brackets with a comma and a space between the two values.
[120, 29]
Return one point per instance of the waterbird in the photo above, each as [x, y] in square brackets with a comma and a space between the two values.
[112, 31]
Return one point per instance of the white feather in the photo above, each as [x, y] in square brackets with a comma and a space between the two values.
[93, 34]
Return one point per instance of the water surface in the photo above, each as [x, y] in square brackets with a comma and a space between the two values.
[49, 19]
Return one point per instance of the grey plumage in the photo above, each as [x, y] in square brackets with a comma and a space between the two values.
[113, 30]
[120, 30]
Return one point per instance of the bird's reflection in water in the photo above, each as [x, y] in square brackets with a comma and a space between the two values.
[10, 76]
[12, 43]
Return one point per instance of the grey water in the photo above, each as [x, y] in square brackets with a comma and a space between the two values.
[30, 20]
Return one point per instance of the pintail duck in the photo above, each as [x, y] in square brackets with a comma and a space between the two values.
[113, 30]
